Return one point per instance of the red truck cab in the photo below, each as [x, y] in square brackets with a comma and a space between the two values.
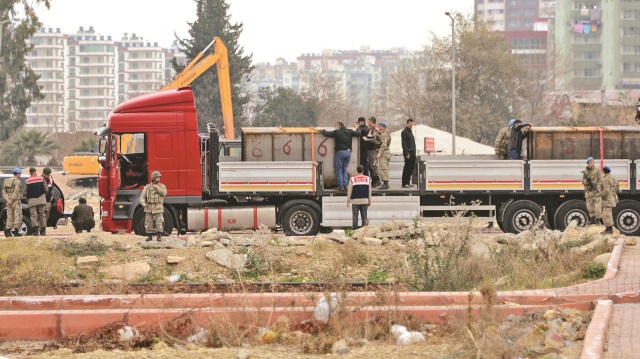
[165, 139]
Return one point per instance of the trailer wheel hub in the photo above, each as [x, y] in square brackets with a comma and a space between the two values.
[524, 220]
[300, 222]
[628, 221]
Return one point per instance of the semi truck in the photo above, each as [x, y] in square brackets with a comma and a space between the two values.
[282, 178]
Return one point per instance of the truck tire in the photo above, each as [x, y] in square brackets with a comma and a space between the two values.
[626, 217]
[300, 220]
[500, 225]
[138, 222]
[521, 216]
[570, 211]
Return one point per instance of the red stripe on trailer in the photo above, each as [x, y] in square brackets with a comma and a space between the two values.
[508, 181]
[255, 217]
[299, 182]
[258, 182]
[236, 182]
[485, 181]
[277, 182]
[206, 218]
[569, 181]
[219, 218]
[463, 181]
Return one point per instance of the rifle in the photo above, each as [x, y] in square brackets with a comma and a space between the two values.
[589, 181]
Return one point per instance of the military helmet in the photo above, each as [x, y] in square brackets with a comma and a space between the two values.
[155, 174]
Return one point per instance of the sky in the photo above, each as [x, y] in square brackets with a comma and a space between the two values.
[272, 28]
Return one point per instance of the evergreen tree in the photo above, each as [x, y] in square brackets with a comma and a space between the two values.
[18, 83]
[213, 19]
[284, 107]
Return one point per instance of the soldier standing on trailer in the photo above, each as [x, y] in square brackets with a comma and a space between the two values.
[502, 142]
[384, 154]
[152, 200]
[592, 181]
[609, 194]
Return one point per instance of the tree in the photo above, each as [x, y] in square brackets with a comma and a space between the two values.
[213, 20]
[24, 145]
[86, 145]
[18, 83]
[491, 85]
[284, 107]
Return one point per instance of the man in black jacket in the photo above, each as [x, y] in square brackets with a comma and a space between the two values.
[519, 131]
[343, 138]
[363, 129]
[409, 153]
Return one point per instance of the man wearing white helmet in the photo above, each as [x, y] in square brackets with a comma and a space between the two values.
[12, 193]
[152, 200]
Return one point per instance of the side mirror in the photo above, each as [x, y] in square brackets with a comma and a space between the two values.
[102, 145]
[103, 161]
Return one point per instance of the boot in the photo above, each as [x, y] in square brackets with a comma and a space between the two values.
[601, 221]
[43, 231]
[16, 232]
[159, 236]
[376, 182]
[608, 230]
[36, 231]
[7, 233]
[149, 237]
[592, 220]
[385, 185]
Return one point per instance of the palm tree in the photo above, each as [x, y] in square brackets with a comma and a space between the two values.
[86, 145]
[24, 145]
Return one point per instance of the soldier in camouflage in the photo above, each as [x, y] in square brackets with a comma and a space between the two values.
[592, 181]
[12, 193]
[502, 142]
[152, 200]
[373, 144]
[609, 194]
[384, 154]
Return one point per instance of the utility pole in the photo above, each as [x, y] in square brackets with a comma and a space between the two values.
[453, 82]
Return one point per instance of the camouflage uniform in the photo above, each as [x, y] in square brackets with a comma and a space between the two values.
[375, 143]
[592, 195]
[12, 191]
[152, 199]
[385, 155]
[502, 144]
[609, 195]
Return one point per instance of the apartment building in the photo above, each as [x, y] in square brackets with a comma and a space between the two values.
[601, 40]
[47, 59]
[141, 67]
[91, 79]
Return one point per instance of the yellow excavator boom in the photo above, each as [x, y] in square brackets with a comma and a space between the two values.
[196, 67]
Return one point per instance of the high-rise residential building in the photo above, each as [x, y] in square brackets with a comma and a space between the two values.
[171, 53]
[91, 91]
[524, 23]
[141, 67]
[601, 40]
[47, 59]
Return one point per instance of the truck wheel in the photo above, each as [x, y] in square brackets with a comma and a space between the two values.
[300, 220]
[138, 222]
[521, 216]
[500, 225]
[626, 217]
[573, 210]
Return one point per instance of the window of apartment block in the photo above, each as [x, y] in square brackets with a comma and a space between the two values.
[121, 67]
[121, 88]
[72, 71]
[514, 12]
[149, 55]
[133, 77]
[121, 77]
[72, 83]
[72, 105]
[101, 70]
[133, 66]
[100, 92]
[84, 70]
[133, 87]
[85, 103]
[72, 50]
[121, 56]
[72, 61]
[49, 52]
[49, 41]
[34, 53]
[100, 103]
[84, 82]
[101, 81]
[513, 2]
[514, 23]
[85, 60]
[133, 55]
[85, 93]
[122, 98]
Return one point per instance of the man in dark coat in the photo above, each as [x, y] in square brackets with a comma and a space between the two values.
[363, 130]
[343, 138]
[82, 216]
[519, 131]
[409, 153]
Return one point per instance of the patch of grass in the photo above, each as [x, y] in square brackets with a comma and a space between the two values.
[23, 262]
[295, 279]
[594, 270]
[377, 276]
[348, 232]
[91, 247]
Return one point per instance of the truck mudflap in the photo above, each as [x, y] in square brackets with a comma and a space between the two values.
[335, 212]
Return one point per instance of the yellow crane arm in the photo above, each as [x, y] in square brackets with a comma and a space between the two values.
[197, 67]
